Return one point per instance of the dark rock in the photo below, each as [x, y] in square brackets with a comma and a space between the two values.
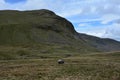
[60, 61]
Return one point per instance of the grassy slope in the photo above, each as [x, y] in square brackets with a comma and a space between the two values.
[35, 32]
[43, 26]
[29, 27]
[42, 50]
[95, 66]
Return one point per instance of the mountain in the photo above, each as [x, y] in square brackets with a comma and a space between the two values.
[44, 27]
[102, 44]
[33, 26]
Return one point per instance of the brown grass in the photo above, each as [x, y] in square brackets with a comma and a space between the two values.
[80, 67]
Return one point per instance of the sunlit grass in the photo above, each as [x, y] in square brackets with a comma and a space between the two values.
[80, 67]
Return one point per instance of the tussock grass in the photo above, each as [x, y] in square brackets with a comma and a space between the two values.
[77, 67]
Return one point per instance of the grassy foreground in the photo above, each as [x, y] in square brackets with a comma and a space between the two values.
[94, 66]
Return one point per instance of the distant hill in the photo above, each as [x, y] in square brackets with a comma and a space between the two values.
[44, 27]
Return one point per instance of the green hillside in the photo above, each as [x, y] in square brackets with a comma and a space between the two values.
[33, 26]
[27, 34]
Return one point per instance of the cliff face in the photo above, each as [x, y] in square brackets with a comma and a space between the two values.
[44, 26]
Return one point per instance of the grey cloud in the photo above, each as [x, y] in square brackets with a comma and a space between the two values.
[118, 21]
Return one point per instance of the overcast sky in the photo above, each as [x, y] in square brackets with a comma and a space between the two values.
[95, 17]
